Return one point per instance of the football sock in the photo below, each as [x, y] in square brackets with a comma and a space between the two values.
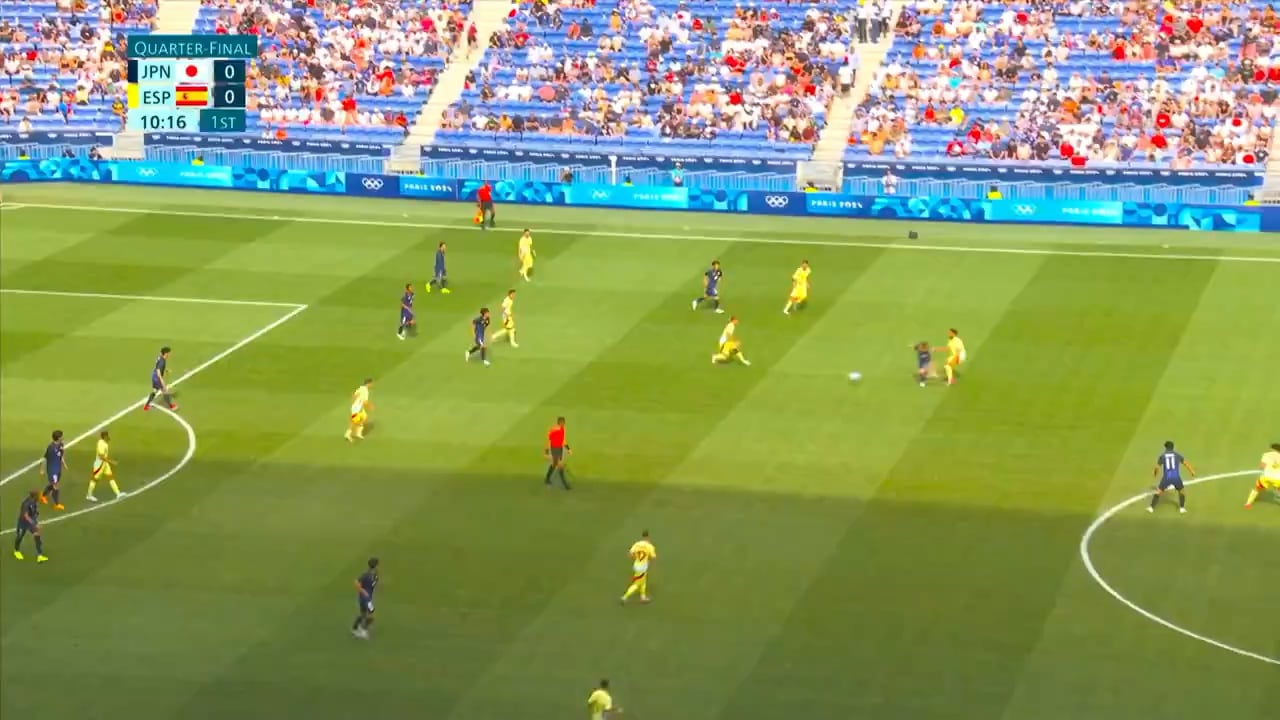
[563, 480]
[1182, 500]
[512, 336]
[484, 354]
[550, 469]
[114, 487]
[56, 495]
[39, 545]
[950, 373]
[473, 350]
[743, 359]
[93, 484]
[1253, 495]
[1155, 499]
[697, 301]
[151, 397]
[715, 303]
[356, 625]
[631, 589]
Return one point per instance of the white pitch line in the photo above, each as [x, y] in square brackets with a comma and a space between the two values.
[186, 458]
[1097, 577]
[653, 236]
[153, 298]
[181, 378]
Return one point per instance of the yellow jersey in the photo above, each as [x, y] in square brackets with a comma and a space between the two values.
[359, 399]
[727, 334]
[642, 551]
[800, 278]
[103, 453]
[525, 248]
[509, 307]
[1271, 465]
[956, 347]
[599, 703]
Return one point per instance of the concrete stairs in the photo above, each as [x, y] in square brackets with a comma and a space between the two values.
[488, 17]
[173, 17]
[835, 136]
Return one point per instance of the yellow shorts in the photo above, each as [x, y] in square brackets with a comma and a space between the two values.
[729, 348]
[102, 470]
[1268, 484]
[799, 296]
[526, 262]
[509, 324]
[954, 361]
[359, 418]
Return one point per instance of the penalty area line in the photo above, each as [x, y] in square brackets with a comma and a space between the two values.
[178, 381]
[186, 458]
[1097, 577]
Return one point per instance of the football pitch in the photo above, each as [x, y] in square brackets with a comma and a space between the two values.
[827, 548]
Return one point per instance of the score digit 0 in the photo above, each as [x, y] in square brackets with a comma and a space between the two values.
[228, 96]
[228, 71]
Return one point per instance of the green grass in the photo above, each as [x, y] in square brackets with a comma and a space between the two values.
[828, 549]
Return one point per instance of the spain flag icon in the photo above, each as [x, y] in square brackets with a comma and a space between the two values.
[191, 95]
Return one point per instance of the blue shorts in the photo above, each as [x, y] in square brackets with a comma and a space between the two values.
[440, 273]
[406, 317]
[1175, 483]
[713, 292]
[25, 527]
[54, 477]
[157, 385]
[480, 340]
[365, 605]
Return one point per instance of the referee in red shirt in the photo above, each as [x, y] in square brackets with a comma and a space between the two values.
[556, 448]
[484, 198]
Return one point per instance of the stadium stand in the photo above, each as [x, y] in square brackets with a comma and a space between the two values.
[1075, 82]
[728, 78]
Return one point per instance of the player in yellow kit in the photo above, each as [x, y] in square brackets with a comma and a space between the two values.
[799, 288]
[642, 553]
[103, 467]
[1270, 479]
[508, 320]
[600, 703]
[955, 355]
[360, 407]
[525, 255]
[729, 347]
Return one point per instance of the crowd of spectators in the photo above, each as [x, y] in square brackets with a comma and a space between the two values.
[1081, 81]
[654, 69]
[329, 64]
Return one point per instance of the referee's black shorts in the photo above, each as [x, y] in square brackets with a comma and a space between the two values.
[486, 205]
[557, 454]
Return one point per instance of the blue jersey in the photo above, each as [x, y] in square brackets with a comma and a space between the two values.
[923, 358]
[713, 281]
[406, 305]
[158, 372]
[368, 583]
[30, 510]
[1170, 464]
[439, 263]
[478, 326]
[53, 459]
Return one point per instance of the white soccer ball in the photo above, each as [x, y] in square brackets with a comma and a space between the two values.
[855, 376]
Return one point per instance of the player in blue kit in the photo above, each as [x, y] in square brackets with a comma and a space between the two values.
[1169, 469]
[158, 384]
[479, 324]
[441, 278]
[924, 363]
[29, 524]
[710, 287]
[52, 471]
[365, 585]
[407, 323]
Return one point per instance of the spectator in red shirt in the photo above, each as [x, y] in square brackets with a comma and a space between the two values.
[484, 198]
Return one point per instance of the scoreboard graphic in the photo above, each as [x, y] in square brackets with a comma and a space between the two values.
[188, 83]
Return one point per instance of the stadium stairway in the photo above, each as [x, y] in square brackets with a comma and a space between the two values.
[835, 136]
[1269, 193]
[488, 16]
[173, 17]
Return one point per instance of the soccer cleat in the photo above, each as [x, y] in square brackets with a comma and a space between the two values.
[121, 494]
[513, 344]
[467, 357]
[173, 407]
[719, 311]
[18, 555]
[1248, 506]
[486, 363]
[1182, 510]
[644, 600]
[43, 500]
[427, 287]
[747, 363]
[42, 558]
[399, 336]
[922, 384]
[59, 506]
[146, 408]
[694, 304]
[90, 498]
[1150, 509]
[445, 291]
